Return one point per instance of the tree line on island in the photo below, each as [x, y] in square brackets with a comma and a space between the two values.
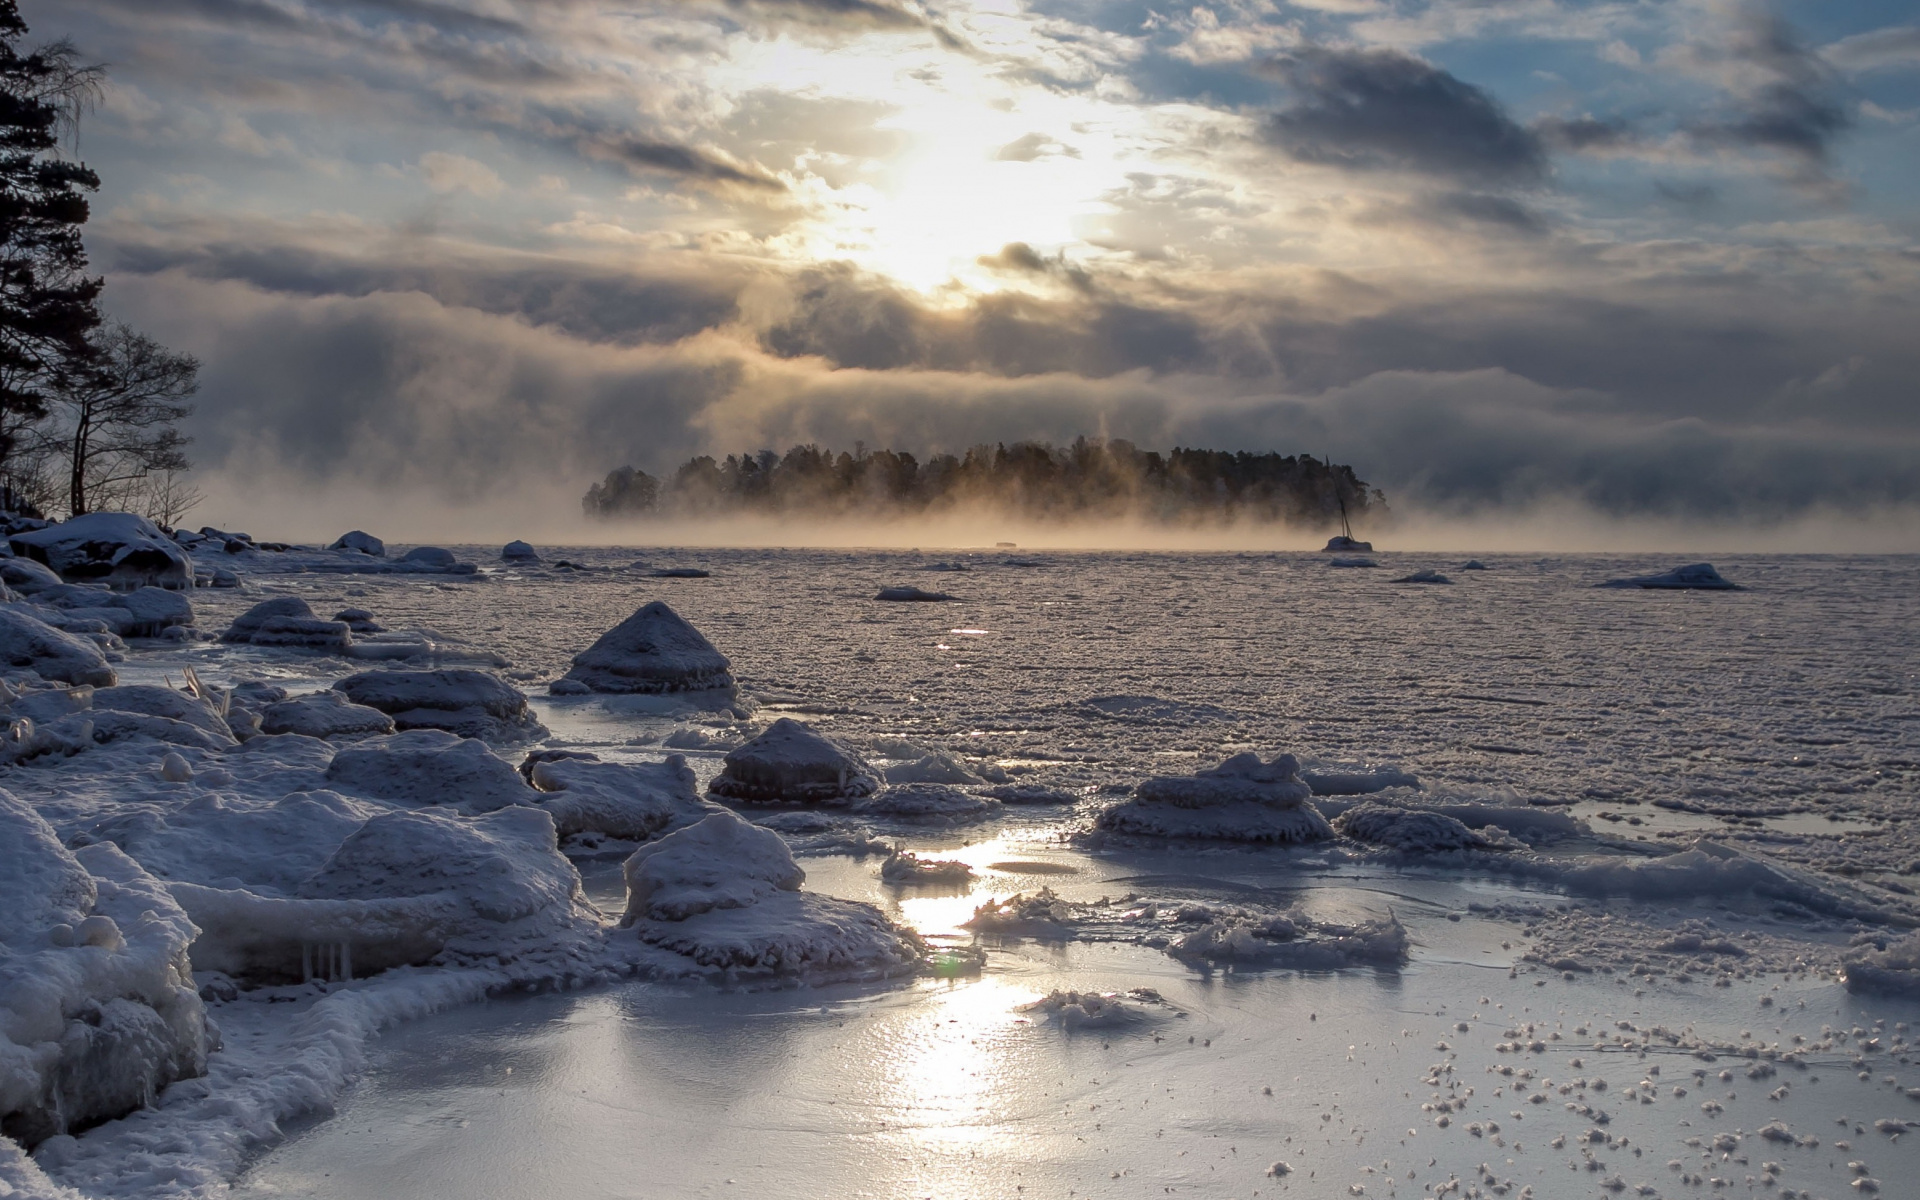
[89, 407]
[1087, 479]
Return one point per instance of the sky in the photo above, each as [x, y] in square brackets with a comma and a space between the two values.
[1641, 261]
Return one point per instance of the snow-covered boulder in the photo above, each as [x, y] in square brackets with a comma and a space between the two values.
[1419, 831]
[931, 802]
[652, 651]
[143, 612]
[1693, 577]
[26, 576]
[429, 766]
[326, 715]
[430, 556]
[164, 703]
[469, 703]
[519, 552]
[118, 549]
[623, 800]
[723, 895]
[287, 621]
[28, 643]
[361, 541]
[1243, 799]
[792, 764]
[911, 595]
[1424, 575]
[97, 1006]
[359, 620]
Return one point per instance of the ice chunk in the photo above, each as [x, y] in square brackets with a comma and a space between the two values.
[1894, 971]
[365, 543]
[325, 715]
[719, 862]
[652, 651]
[904, 867]
[1418, 831]
[681, 573]
[429, 556]
[287, 621]
[623, 800]
[928, 802]
[933, 767]
[1294, 941]
[41, 883]
[1473, 564]
[30, 643]
[1425, 575]
[1694, 576]
[1030, 793]
[1095, 1010]
[1359, 781]
[118, 549]
[1242, 799]
[519, 552]
[429, 766]
[911, 594]
[792, 764]
[458, 700]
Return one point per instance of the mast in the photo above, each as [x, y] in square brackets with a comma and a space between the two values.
[1346, 529]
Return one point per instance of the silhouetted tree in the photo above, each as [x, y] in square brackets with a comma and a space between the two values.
[119, 416]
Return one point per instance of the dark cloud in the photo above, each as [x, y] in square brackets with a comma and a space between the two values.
[1581, 134]
[1481, 208]
[1796, 112]
[1385, 110]
[677, 159]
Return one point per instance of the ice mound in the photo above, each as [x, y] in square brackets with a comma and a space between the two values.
[97, 1006]
[1341, 542]
[1356, 781]
[652, 651]
[1418, 831]
[161, 704]
[429, 766]
[402, 889]
[363, 542]
[142, 612]
[1243, 799]
[1695, 576]
[519, 552]
[1293, 941]
[359, 620]
[724, 895]
[458, 700]
[118, 549]
[27, 577]
[1426, 575]
[437, 557]
[221, 840]
[1351, 562]
[623, 800]
[287, 621]
[1710, 868]
[906, 867]
[1030, 793]
[933, 767]
[1473, 564]
[792, 764]
[1894, 971]
[325, 715]
[28, 643]
[911, 594]
[927, 802]
[1042, 914]
[1096, 1010]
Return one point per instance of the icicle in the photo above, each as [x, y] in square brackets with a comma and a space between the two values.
[346, 961]
[306, 963]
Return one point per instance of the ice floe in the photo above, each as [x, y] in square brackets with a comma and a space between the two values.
[930, 802]
[906, 867]
[1243, 799]
[652, 651]
[457, 699]
[790, 763]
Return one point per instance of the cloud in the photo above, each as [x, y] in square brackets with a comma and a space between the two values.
[1032, 146]
[1877, 49]
[1374, 110]
[456, 173]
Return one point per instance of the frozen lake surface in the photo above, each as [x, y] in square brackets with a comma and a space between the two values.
[1551, 1031]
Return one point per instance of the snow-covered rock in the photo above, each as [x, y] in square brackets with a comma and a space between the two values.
[430, 556]
[1418, 831]
[26, 576]
[165, 704]
[1694, 576]
[927, 802]
[97, 1006]
[623, 800]
[1424, 575]
[652, 651]
[721, 861]
[519, 552]
[118, 549]
[429, 766]
[28, 643]
[792, 764]
[325, 715]
[229, 841]
[1242, 799]
[361, 541]
[287, 621]
[143, 612]
[911, 595]
[931, 768]
[359, 620]
[1356, 781]
[469, 703]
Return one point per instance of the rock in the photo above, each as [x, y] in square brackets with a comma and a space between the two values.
[719, 862]
[358, 620]
[326, 715]
[121, 550]
[623, 800]
[175, 769]
[652, 651]
[429, 556]
[28, 643]
[287, 621]
[1692, 577]
[1473, 564]
[428, 766]
[792, 764]
[365, 543]
[1242, 799]
[462, 701]
[911, 595]
[502, 864]
[148, 700]
[519, 552]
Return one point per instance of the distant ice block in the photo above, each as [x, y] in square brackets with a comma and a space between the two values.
[1243, 799]
[792, 764]
[1473, 564]
[359, 620]
[910, 594]
[681, 573]
[652, 651]
[1416, 830]
[1294, 941]
[287, 621]
[1694, 576]
[462, 701]
[519, 552]
[1425, 575]
[121, 550]
[28, 643]
[328, 715]
[430, 556]
[429, 766]
[361, 541]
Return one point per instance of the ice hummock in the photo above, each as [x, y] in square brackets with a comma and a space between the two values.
[790, 763]
[1424, 575]
[928, 802]
[1693, 576]
[655, 650]
[1892, 971]
[327, 715]
[457, 699]
[1243, 799]
[1415, 830]
[287, 621]
[361, 542]
[635, 801]
[519, 552]
[429, 767]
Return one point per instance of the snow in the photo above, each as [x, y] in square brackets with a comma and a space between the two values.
[326, 715]
[1242, 799]
[118, 549]
[910, 594]
[30, 644]
[1694, 576]
[790, 763]
[519, 552]
[459, 700]
[652, 651]
[360, 542]
[428, 766]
